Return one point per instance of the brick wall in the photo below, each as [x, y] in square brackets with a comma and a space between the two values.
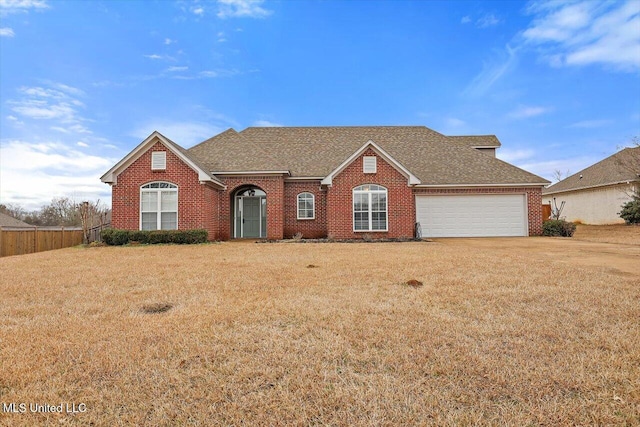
[534, 200]
[273, 186]
[310, 228]
[400, 201]
[197, 203]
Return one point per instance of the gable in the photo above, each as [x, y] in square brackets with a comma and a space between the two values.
[371, 146]
[111, 176]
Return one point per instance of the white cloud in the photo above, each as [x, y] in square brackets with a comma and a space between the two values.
[487, 20]
[242, 9]
[492, 72]
[524, 112]
[176, 69]
[455, 122]
[33, 173]
[545, 168]
[20, 6]
[156, 57]
[465, 20]
[168, 41]
[590, 124]
[512, 156]
[198, 11]
[186, 134]
[588, 32]
[82, 144]
[7, 32]
[266, 124]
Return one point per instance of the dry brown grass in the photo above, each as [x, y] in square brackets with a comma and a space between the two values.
[619, 233]
[255, 337]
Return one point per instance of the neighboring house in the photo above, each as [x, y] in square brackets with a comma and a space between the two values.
[596, 194]
[343, 182]
[9, 221]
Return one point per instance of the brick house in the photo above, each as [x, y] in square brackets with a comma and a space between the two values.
[344, 182]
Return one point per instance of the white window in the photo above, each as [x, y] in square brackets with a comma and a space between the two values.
[158, 160]
[306, 206]
[369, 164]
[370, 208]
[159, 206]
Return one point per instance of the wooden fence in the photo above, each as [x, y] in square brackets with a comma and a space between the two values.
[23, 240]
[546, 211]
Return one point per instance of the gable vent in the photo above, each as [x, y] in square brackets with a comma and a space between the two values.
[369, 164]
[159, 160]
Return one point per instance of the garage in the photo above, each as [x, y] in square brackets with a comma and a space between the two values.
[485, 215]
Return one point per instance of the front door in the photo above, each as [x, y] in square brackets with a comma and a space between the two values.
[251, 217]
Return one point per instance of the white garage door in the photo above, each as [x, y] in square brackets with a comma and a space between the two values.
[472, 216]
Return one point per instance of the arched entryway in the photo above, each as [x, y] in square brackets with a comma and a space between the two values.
[249, 213]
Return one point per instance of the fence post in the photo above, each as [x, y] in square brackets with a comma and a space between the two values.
[0, 241]
[35, 240]
[62, 239]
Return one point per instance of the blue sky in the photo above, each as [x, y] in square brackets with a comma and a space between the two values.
[83, 82]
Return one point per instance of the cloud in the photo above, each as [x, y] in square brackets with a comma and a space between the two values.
[492, 71]
[21, 6]
[82, 144]
[155, 56]
[168, 41]
[465, 20]
[185, 134]
[545, 168]
[590, 124]
[512, 156]
[34, 172]
[487, 20]
[174, 69]
[6, 32]
[197, 10]
[585, 33]
[242, 9]
[266, 124]
[525, 112]
[455, 122]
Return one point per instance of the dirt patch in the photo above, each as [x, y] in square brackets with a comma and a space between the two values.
[158, 307]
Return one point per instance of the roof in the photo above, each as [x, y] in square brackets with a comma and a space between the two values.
[204, 175]
[477, 141]
[9, 221]
[432, 157]
[622, 167]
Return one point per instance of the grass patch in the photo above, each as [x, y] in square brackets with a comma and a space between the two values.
[260, 339]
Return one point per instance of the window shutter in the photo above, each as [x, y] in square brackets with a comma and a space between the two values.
[159, 160]
[369, 164]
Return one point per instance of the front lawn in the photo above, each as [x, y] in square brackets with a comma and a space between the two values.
[272, 334]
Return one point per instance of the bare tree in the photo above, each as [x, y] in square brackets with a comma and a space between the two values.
[559, 176]
[91, 214]
[13, 210]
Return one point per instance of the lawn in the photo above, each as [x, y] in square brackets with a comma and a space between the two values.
[321, 334]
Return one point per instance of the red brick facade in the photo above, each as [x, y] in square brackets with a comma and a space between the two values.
[201, 205]
[401, 213]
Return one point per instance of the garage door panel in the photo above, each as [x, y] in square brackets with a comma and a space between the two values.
[472, 215]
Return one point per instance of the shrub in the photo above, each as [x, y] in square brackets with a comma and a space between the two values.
[631, 210]
[558, 227]
[117, 237]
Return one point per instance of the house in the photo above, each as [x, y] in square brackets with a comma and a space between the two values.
[596, 194]
[343, 182]
[9, 221]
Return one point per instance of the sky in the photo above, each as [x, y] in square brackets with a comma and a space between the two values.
[84, 82]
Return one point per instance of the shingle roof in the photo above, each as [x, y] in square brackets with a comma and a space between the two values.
[476, 141]
[315, 151]
[624, 166]
[9, 221]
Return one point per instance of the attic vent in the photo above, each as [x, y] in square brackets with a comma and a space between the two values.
[369, 164]
[159, 160]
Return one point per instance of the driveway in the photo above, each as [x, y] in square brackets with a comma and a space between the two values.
[617, 258]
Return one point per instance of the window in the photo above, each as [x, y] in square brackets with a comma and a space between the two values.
[370, 208]
[159, 206]
[306, 206]
[369, 164]
[158, 160]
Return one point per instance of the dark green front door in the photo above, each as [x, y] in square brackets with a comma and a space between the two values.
[251, 217]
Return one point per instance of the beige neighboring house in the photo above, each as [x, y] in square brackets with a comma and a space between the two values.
[596, 194]
[9, 221]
